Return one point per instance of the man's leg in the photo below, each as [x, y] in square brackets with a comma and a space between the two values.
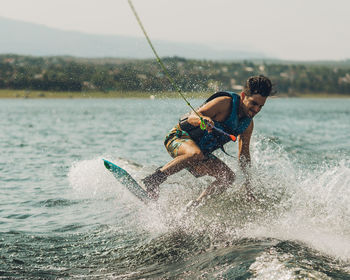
[219, 170]
[187, 154]
[190, 156]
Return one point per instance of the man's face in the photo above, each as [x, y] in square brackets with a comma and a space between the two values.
[253, 104]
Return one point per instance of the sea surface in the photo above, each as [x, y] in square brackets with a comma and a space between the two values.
[64, 216]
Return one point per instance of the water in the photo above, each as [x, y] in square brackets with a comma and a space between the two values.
[63, 216]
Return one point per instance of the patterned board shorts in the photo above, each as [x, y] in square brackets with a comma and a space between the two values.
[174, 140]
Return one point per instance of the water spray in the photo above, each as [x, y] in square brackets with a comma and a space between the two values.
[203, 123]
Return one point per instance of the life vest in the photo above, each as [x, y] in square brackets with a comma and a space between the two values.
[211, 141]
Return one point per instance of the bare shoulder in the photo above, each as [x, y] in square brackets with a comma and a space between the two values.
[217, 108]
[222, 101]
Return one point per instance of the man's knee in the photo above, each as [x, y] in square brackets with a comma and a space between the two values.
[195, 154]
[227, 177]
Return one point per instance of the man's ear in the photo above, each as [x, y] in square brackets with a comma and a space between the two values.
[242, 95]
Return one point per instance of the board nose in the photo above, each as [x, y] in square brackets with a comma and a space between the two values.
[107, 164]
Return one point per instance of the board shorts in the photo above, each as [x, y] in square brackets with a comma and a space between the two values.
[174, 139]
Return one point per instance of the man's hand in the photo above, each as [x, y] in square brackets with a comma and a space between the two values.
[191, 206]
[209, 123]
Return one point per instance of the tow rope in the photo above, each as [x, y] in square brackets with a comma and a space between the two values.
[203, 124]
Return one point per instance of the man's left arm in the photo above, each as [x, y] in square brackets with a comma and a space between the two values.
[244, 157]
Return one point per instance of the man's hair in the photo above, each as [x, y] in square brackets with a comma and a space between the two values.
[258, 85]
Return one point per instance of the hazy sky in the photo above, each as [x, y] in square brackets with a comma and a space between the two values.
[293, 29]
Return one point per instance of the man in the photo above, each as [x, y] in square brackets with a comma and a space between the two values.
[191, 147]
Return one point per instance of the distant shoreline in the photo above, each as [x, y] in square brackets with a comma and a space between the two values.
[28, 94]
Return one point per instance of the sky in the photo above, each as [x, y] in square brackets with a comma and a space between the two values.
[284, 29]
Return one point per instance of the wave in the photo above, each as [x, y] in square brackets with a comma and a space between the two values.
[295, 202]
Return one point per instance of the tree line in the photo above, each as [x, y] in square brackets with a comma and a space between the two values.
[75, 74]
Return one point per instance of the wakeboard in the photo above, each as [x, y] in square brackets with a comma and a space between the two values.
[127, 180]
